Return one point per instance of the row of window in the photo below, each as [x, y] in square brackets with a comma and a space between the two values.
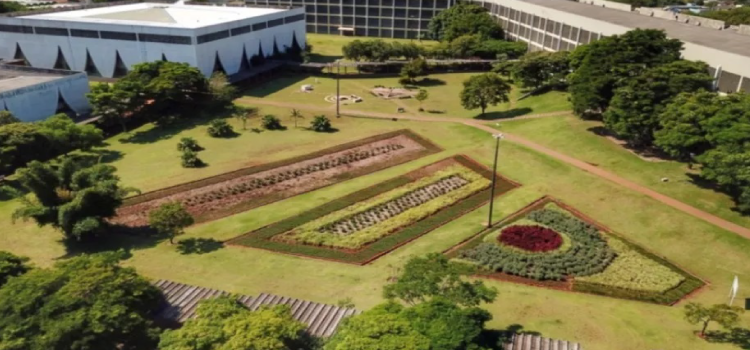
[143, 37]
[387, 23]
[369, 11]
[371, 32]
[427, 4]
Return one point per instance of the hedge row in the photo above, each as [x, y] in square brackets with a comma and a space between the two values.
[262, 238]
[430, 148]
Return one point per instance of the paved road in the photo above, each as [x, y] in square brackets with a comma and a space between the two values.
[483, 125]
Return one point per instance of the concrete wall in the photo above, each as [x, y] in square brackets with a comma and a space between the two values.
[744, 29]
[39, 101]
[609, 4]
[701, 21]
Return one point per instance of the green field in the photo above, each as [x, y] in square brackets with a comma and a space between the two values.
[597, 322]
[576, 137]
[443, 97]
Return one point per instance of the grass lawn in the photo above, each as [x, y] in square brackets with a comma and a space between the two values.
[575, 137]
[443, 92]
[327, 48]
[150, 161]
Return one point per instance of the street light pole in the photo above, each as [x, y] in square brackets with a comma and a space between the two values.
[338, 88]
[497, 138]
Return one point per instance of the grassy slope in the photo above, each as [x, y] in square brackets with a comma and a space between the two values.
[573, 136]
[597, 322]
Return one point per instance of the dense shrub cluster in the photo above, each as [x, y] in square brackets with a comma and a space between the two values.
[220, 128]
[188, 143]
[531, 238]
[271, 122]
[272, 179]
[321, 123]
[588, 254]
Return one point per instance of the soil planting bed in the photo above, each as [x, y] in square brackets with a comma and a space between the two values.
[248, 188]
[405, 207]
[598, 262]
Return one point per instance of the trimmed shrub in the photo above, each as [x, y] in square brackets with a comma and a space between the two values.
[321, 123]
[270, 122]
[188, 143]
[220, 128]
[190, 159]
[531, 238]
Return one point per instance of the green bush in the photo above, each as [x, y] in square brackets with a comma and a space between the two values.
[188, 143]
[220, 128]
[270, 122]
[589, 253]
[321, 123]
[190, 159]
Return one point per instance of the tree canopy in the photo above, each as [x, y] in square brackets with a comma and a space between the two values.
[725, 315]
[11, 266]
[170, 219]
[8, 118]
[464, 19]
[225, 324]
[71, 196]
[424, 278]
[541, 68]
[634, 111]
[482, 91]
[604, 65]
[733, 17]
[87, 302]
[415, 68]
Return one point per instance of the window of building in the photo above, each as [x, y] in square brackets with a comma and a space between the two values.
[82, 33]
[205, 38]
[105, 34]
[51, 31]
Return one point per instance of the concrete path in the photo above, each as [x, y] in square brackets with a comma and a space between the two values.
[483, 125]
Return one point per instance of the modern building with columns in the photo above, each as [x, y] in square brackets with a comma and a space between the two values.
[107, 41]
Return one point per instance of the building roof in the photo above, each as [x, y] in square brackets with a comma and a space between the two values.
[724, 40]
[182, 300]
[15, 77]
[158, 14]
[535, 342]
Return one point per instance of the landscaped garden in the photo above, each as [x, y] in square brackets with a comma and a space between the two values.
[364, 225]
[550, 245]
[244, 189]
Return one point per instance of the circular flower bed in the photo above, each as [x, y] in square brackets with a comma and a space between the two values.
[531, 238]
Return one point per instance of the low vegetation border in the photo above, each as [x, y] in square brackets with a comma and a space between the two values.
[261, 238]
[690, 285]
[429, 148]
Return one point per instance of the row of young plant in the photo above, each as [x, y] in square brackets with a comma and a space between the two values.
[278, 177]
[262, 238]
[588, 254]
[317, 231]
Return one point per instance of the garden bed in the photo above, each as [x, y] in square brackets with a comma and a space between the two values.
[367, 224]
[244, 189]
[595, 260]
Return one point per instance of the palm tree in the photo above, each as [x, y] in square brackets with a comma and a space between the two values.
[296, 115]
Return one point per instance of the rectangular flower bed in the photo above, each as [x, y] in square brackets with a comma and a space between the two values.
[550, 244]
[244, 189]
[366, 224]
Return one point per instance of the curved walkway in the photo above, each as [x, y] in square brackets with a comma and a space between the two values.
[483, 125]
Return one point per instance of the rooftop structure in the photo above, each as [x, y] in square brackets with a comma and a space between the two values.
[158, 15]
[33, 94]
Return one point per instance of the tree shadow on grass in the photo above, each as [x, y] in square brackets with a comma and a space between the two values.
[512, 113]
[428, 82]
[198, 246]
[162, 132]
[128, 239]
[329, 131]
[737, 336]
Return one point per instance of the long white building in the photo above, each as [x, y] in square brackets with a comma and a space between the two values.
[107, 41]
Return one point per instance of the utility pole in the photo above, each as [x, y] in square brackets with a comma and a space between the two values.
[497, 138]
[338, 88]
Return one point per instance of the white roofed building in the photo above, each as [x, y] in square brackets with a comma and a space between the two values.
[107, 41]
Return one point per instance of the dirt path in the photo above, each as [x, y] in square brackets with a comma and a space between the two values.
[482, 125]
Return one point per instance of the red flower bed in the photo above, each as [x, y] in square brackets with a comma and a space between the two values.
[531, 238]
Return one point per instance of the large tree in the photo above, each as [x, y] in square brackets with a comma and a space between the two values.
[72, 196]
[170, 219]
[606, 64]
[433, 275]
[682, 131]
[481, 91]
[415, 68]
[11, 266]
[65, 135]
[225, 324]
[88, 302]
[112, 104]
[383, 327]
[541, 68]
[464, 19]
[21, 143]
[634, 111]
